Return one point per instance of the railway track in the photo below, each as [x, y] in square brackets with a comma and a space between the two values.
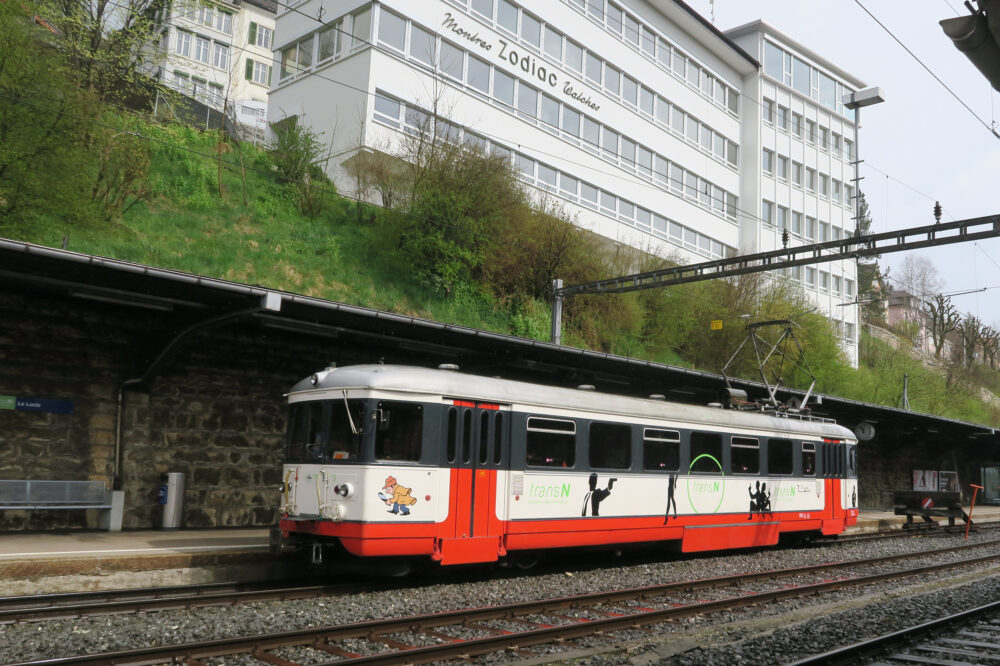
[141, 600]
[468, 632]
[82, 604]
[972, 636]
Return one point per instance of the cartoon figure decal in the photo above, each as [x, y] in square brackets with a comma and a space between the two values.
[671, 486]
[854, 498]
[760, 501]
[596, 496]
[397, 497]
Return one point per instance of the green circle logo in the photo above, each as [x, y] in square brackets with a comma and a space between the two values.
[706, 487]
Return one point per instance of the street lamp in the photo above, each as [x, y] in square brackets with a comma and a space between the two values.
[854, 101]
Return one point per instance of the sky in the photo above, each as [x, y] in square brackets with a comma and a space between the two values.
[919, 146]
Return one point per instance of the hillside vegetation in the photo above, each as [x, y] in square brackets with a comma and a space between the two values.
[457, 239]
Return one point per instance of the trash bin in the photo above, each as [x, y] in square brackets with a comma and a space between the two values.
[171, 496]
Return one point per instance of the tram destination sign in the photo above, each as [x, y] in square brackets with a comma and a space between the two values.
[24, 404]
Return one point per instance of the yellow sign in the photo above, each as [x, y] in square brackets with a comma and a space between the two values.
[716, 325]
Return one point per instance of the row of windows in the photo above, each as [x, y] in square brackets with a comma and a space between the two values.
[786, 120]
[328, 430]
[397, 114]
[778, 166]
[563, 120]
[812, 229]
[631, 30]
[484, 79]
[206, 14]
[203, 49]
[552, 443]
[805, 79]
[345, 35]
[199, 88]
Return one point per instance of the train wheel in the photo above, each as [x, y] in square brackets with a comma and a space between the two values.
[525, 560]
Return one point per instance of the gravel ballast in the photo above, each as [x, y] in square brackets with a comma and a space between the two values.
[790, 630]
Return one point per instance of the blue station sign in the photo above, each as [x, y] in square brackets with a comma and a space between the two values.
[47, 405]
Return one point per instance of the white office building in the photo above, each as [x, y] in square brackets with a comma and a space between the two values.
[640, 118]
[804, 140]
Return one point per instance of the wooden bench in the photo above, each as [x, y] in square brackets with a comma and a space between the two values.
[910, 503]
[16, 495]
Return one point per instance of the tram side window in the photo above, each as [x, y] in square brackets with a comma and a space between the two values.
[808, 459]
[706, 452]
[399, 431]
[661, 450]
[452, 443]
[498, 439]
[779, 456]
[852, 460]
[745, 455]
[610, 446]
[550, 443]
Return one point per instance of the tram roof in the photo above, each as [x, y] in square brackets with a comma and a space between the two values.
[437, 383]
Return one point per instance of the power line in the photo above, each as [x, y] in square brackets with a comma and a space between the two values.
[929, 71]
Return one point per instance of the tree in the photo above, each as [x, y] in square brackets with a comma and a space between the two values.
[944, 318]
[919, 276]
[971, 331]
[297, 153]
[43, 125]
[106, 41]
[991, 345]
[870, 292]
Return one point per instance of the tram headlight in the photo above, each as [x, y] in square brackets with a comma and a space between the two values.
[334, 512]
[345, 490]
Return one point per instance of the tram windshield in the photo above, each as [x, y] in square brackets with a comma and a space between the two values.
[325, 430]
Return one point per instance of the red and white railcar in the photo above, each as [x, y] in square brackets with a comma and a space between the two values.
[404, 461]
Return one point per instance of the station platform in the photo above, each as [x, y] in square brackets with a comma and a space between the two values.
[35, 563]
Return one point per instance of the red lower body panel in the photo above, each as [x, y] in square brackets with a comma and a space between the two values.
[696, 533]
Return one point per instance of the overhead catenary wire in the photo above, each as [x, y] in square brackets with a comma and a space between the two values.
[991, 130]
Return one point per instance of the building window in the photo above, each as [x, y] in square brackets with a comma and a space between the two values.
[392, 30]
[260, 36]
[224, 22]
[768, 111]
[849, 287]
[810, 131]
[329, 42]
[797, 125]
[824, 188]
[824, 143]
[184, 43]
[782, 118]
[810, 227]
[810, 276]
[221, 56]
[259, 72]
[810, 179]
[796, 222]
[782, 219]
[835, 192]
[849, 149]
[767, 161]
[782, 167]
[201, 49]
[767, 212]
[797, 174]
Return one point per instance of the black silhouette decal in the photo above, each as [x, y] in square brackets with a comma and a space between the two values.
[854, 498]
[671, 486]
[760, 501]
[596, 495]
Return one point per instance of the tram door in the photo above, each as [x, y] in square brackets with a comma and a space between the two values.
[476, 449]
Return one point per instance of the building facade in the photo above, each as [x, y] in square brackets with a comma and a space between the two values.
[639, 118]
[796, 126]
[219, 53]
